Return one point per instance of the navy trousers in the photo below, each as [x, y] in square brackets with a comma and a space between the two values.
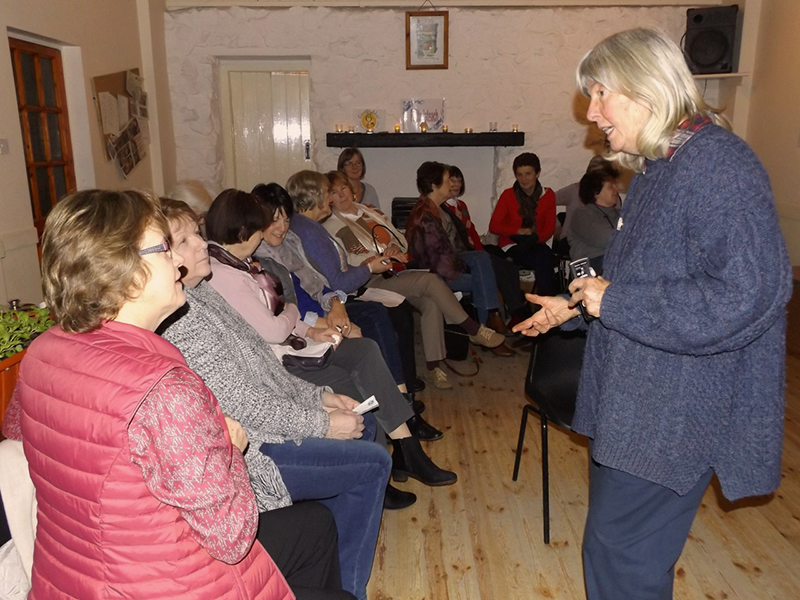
[635, 532]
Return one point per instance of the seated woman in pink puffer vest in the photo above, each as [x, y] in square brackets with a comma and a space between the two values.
[141, 485]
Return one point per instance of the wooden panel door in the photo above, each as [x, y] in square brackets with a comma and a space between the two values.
[266, 124]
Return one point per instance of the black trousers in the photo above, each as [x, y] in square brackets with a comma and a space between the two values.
[301, 539]
[539, 259]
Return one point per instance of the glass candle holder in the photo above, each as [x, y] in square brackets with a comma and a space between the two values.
[351, 129]
[339, 128]
[444, 128]
[370, 128]
[515, 128]
[423, 127]
[468, 130]
[397, 128]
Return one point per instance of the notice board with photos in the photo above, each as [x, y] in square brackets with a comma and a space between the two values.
[121, 104]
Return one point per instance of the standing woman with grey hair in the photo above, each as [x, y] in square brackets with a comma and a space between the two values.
[683, 375]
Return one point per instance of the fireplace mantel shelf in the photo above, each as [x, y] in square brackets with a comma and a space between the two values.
[424, 140]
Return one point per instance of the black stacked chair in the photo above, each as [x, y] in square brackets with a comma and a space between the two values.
[551, 387]
[401, 208]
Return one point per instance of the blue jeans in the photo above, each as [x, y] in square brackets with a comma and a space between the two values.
[480, 282]
[349, 477]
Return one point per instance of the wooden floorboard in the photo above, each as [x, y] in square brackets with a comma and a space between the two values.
[482, 537]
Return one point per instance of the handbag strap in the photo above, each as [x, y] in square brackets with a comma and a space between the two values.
[478, 360]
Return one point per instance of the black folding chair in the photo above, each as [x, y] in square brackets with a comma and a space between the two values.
[551, 387]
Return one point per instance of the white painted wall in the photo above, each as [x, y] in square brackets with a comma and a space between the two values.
[774, 127]
[96, 38]
[507, 65]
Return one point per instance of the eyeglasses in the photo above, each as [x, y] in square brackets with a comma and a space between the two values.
[353, 163]
[162, 247]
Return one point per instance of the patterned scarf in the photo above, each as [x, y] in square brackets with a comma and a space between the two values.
[528, 204]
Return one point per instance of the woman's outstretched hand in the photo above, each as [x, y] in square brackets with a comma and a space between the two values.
[555, 311]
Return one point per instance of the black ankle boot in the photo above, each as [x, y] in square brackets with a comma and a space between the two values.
[396, 499]
[418, 406]
[410, 460]
[422, 430]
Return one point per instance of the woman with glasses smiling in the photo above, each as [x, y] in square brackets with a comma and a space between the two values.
[351, 163]
[137, 472]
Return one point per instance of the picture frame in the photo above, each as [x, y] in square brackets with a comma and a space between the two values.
[427, 39]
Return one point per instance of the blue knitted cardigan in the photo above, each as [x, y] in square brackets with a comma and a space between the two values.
[684, 370]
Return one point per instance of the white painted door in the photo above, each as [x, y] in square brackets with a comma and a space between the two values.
[266, 122]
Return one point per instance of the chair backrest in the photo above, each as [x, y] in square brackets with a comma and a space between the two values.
[19, 500]
[554, 372]
[401, 208]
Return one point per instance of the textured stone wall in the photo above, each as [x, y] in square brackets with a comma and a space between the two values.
[509, 66]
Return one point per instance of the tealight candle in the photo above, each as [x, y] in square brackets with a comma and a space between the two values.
[397, 128]
[370, 128]
[351, 129]
[339, 128]
[468, 130]
[423, 127]
[515, 128]
[444, 128]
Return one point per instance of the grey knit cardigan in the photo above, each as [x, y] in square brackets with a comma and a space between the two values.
[250, 383]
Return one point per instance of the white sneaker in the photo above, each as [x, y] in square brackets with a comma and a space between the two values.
[488, 338]
[439, 379]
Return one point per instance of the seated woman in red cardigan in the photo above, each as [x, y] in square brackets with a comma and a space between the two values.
[524, 219]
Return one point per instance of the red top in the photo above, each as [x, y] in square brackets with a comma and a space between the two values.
[506, 220]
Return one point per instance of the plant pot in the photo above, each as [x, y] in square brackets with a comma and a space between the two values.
[9, 370]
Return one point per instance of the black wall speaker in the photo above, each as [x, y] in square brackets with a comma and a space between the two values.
[711, 43]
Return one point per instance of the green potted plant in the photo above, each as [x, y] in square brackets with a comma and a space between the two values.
[18, 328]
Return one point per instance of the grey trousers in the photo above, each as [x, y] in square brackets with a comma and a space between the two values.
[358, 371]
[433, 299]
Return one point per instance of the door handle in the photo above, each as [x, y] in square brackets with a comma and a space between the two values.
[307, 146]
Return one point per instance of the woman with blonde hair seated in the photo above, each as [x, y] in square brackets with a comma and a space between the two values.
[353, 268]
[140, 481]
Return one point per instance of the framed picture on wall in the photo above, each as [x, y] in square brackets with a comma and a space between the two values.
[427, 39]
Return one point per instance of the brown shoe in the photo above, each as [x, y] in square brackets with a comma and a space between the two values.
[501, 350]
[495, 321]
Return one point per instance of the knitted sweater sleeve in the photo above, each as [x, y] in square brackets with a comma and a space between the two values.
[322, 252]
[249, 382]
[725, 278]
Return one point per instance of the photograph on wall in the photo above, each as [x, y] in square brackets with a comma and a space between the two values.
[128, 148]
[427, 39]
[417, 111]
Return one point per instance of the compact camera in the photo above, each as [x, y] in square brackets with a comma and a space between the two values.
[578, 269]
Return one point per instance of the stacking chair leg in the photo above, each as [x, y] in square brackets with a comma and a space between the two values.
[545, 482]
[523, 424]
[545, 465]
